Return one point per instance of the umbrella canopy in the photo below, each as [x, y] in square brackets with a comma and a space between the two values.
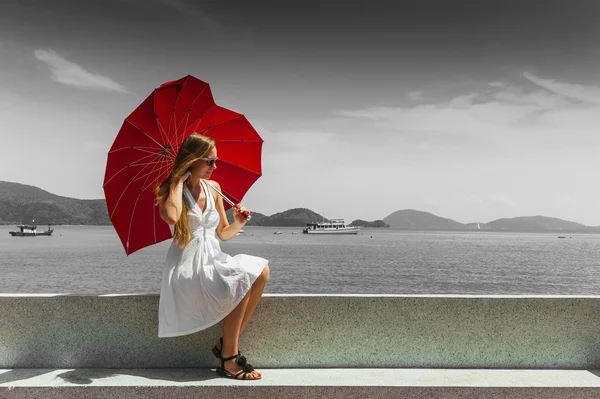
[145, 148]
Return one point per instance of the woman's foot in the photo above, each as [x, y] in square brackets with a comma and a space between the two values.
[217, 352]
[236, 367]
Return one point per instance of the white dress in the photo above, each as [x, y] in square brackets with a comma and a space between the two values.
[201, 284]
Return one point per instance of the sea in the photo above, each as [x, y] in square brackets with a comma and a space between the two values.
[91, 260]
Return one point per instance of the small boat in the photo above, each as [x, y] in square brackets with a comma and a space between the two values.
[277, 232]
[334, 226]
[240, 232]
[30, 230]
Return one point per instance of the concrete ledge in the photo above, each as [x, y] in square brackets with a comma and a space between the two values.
[295, 331]
[300, 383]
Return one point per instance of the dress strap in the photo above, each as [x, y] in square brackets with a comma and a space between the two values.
[209, 197]
[188, 197]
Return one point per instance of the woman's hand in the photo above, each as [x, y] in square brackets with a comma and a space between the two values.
[185, 177]
[238, 213]
[182, 180]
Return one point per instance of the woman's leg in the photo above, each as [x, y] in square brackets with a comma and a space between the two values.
[255, 296]
[252, 299]
[231, 336]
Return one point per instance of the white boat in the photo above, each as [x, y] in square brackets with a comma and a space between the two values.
[334, 226]
[30, 230]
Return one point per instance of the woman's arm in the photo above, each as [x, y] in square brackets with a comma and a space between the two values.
[224, 230]
[171, 210]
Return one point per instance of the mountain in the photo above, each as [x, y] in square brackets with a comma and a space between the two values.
[409, 219]
[363, 223]
[538, 223]
[20, 203]
[293, 217]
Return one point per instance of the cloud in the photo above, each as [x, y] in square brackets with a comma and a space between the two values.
[492, 118]
[587, 94]
[415, 95]
[71, 74]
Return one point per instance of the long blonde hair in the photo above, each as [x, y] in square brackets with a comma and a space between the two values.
[194, 147]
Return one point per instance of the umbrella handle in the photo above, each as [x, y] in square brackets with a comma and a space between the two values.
[246, 214]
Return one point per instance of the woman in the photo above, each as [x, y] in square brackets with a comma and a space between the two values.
[202, 285]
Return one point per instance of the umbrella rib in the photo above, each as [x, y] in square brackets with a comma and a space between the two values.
[187, 114]
[174, 122]
[131, 220]
[206, 129]
[200, 117]
[118, 201]
[236, 165]
[125, 189]
[144, 132]
[168, 164]
[149, 149]
[160, 171]
[154, 164]
[160, 128]
[138, 199]
[144, 187]
[151, 152]
[127, 166]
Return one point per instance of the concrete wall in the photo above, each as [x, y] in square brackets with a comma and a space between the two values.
[298, 331]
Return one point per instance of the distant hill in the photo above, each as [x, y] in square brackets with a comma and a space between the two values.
[293, 217]
[538, 223]
[409, 219]
[20, 203]
[363, 223]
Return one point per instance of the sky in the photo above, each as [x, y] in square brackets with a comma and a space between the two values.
[471, 110]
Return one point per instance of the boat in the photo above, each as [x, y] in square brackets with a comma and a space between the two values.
[30, 230]
[277, 232]
[334, 226]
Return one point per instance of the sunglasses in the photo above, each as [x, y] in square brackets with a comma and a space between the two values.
[210, 161]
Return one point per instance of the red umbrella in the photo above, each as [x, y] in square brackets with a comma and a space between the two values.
[144, 150]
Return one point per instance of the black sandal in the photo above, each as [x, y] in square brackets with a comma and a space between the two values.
[240, 361]
[217, 352]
